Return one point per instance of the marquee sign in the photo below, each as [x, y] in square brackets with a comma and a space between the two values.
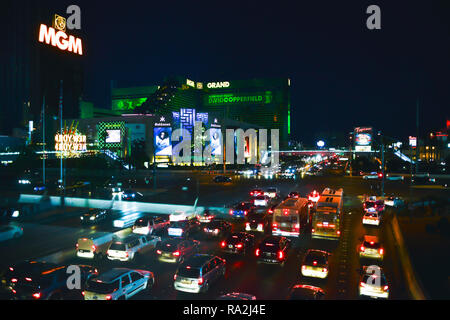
[217, 85]
[70, 140]
[57, 37]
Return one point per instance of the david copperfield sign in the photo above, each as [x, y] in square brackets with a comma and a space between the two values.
[57, 36]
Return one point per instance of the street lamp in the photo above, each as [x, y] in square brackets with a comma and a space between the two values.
[320, 143]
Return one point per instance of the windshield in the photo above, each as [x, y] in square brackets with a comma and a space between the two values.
[117, 246]
[189, 272]
[178, 224]
[102, 288]
[286, 219]
[168, 246]
[327, 217]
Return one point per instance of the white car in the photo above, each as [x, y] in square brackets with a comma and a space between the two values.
[118, 284]
[262, 201]
[371, 217]
[10, 232]
[372, 175]
[271, 192]
[127, 249]
[394, 202]
[373, 283]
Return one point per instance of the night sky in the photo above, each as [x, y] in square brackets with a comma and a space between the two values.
[343, 75]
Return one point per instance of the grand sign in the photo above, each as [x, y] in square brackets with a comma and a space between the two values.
[217, 85]
[59, 38]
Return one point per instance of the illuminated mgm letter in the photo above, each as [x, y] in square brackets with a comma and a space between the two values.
[60, 39]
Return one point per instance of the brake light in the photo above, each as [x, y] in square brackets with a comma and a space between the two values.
[270, 211]
[174, 277]
[93, 248]
[297, 226]
[315, 263]
[108, 297]
[260, 225]
[381, 251]
[338, 232]
[223, 244]
[14, 280]
[176, 253]
[37, 295]
[82, 293]
[158, 251]
[362, 248]
[231, 211]
[245, 213]
[126, 254]
[76, 246]
[11, 269]
[200, 281]
[386, 288]
[319, 224]
[239, 245]
[274, 226]
[362, 284]
[257, 252]
[204, 229]
[324, 270]
[312, 230]
[280, 254]
[29, 279]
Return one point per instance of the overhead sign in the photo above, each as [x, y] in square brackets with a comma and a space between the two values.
[217, 85]
[413, 141]
[57, 37]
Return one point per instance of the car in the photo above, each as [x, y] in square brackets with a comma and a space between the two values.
[371, 248]
[237, 296]
[371, 217]
[176, 250]
[94, 246]
[128, 248]
[373, 175]
[206, 216]
[315, 264]
[10, 232]
[182, 216]
[395, 202]
[39, 188]
[94, 216]
[257, 221]
[131, 195]
[395, 177]
[272, 192]
[314, 196]
[293, 194]
[305, 292]
[218, 228]
[221, 179]
[150, 225]
[45, 281]
[273, 250]
[13, 272]
[183, 228]
[373, 283]
[118, 284]
[198, 273]
[238, 242]
[262, 201]
[378, 205]
[256, 192]
[241, 209]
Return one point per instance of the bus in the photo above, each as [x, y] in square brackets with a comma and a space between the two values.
[327, 216]
[290, 217]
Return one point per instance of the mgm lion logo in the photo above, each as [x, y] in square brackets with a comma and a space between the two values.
[59, 23]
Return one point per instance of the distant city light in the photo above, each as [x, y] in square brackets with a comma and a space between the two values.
[320, 144]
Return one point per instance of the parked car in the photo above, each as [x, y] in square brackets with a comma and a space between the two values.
[119, 284]
[176, 250]
[198, 273]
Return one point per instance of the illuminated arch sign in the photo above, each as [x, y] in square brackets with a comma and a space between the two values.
[60, 39]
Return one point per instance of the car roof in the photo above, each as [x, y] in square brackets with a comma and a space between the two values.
[271, 239]
[129, 238]
[371, 238]
[313, 252]
[172, 241]
[112, 274]
[199, 260]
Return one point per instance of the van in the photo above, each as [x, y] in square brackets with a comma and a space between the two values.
[94, 246]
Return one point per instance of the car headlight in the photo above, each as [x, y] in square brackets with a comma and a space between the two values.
[82, 218]
[92, 218]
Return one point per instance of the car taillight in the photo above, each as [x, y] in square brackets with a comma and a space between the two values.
[270, 211]
[362, 248]
[216, 230]
[257, 252]
[29, 279]
[319, 224]
[239, 245]
[76, 245]
[174, 277]
[158, 251]
[386, 288]
[362, 284]
[37, 295]
[274, 226]
[245, 213]
[231, 211]
[93, 248]
[381, 251]
[260, 225]
[324, 270]
[82, 293]
[312, 230]
[247, 224]
[303, 267]
[280, 254]
[14, 280]
[108, 297]
[338, 232]
[204, 229]
[200, 281]
[11, 269]
[223, 244]
[176, 253]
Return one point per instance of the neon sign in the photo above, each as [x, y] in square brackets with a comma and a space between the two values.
[60, 39]
[216, 85]
[70, 142]
[217, 99]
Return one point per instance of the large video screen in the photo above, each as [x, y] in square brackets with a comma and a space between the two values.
[216, 145]
[112, 136]
[163, 142]
[363, 139]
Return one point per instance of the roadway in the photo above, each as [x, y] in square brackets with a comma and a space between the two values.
[59, 231]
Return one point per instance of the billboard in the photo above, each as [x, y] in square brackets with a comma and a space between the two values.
[216, 146]
[413, 141]
[363, 139]
[163, 143]
[112, 136]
